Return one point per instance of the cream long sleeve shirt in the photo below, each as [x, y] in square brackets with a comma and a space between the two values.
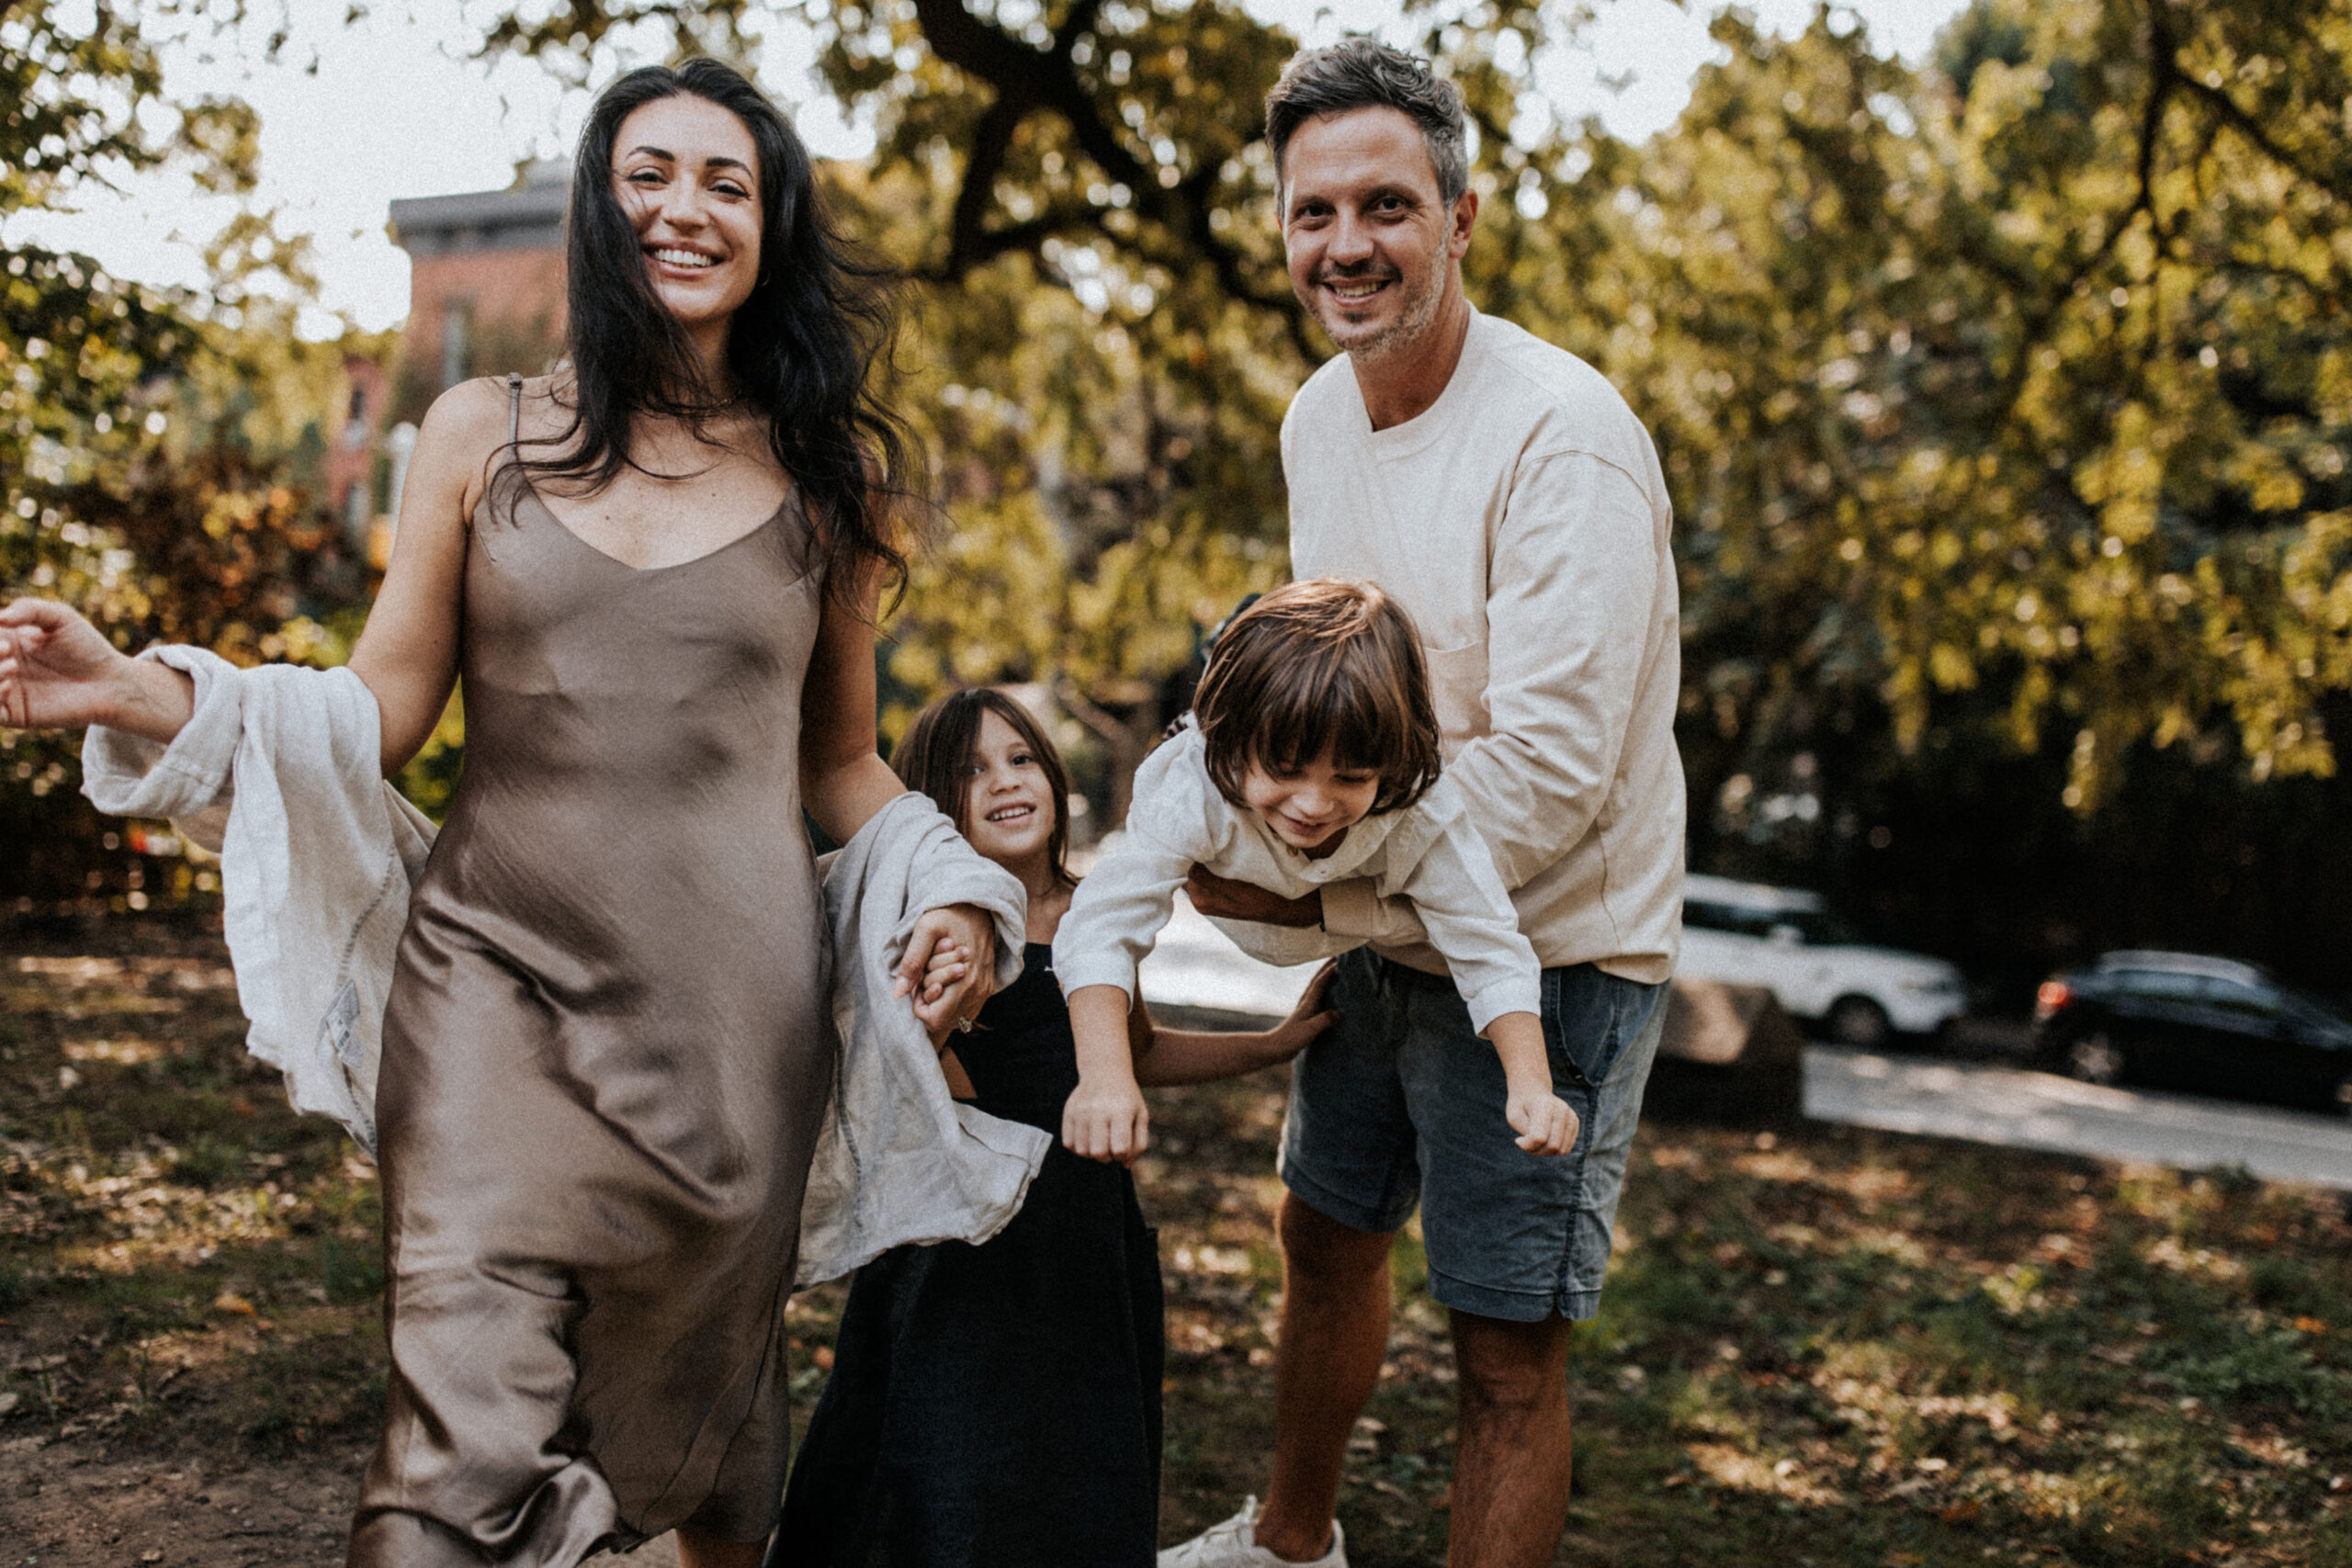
[1523, 521]
[1426, 857]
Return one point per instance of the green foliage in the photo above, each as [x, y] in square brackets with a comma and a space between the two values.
[72, 76]
[2004, 399]
[2003, 391]
[148, 437]
[2029, 391]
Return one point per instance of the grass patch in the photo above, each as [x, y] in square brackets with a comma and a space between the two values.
[1837, 1346]
[185, 1265]
[1830, 1347]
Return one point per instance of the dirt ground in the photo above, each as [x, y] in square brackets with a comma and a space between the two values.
[1821, 1347]
[70, 1504]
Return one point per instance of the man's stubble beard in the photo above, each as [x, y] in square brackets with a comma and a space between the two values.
[1415, 317]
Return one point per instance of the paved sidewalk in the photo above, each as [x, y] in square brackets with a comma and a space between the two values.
[2024, 1110]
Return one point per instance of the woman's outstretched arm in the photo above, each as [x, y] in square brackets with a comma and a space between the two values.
[950, 962]
[58, 671]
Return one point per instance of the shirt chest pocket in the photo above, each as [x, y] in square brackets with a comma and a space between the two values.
[1458, 687]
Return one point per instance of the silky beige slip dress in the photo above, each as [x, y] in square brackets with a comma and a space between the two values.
[607, 1054]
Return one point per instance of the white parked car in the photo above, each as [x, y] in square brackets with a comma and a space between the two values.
[1816, 966]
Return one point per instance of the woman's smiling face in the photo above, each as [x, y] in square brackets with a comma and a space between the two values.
[686, 172]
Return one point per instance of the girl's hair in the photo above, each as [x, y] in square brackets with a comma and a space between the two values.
[802, 349]
[939, 747]
[1315, 667]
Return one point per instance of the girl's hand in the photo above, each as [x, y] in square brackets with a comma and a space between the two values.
[1546, 1123]
[949, 988]
[1107, 1120]
[949, 961]
[1310, 1017]
[58, 671]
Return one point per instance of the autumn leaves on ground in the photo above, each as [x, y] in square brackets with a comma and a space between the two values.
[1819, 1346]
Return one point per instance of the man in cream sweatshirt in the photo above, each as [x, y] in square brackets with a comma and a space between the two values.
[1501, 491]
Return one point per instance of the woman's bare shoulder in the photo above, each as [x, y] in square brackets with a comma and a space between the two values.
[469, 420]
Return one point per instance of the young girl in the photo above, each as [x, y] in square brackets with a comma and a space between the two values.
[1312, 756]
[1000, 1404]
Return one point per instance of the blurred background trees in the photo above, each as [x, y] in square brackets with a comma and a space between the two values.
[2002, 398]
[159, 451]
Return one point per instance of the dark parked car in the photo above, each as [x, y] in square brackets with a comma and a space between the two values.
[2187, 1021]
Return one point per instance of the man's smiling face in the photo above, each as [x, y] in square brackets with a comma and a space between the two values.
[1369, 238]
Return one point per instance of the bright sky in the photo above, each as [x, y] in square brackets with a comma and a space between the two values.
[390, 106]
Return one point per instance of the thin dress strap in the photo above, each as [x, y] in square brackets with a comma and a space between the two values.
[514, 408]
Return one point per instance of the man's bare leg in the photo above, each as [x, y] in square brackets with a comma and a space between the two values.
[1511, 1459]
[696, 1550]
[1334, 1334]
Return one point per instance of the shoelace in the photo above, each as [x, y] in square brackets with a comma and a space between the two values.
[1223, 1531]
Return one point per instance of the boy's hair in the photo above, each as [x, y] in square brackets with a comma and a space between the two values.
[939, 745]
[1364, 74]
[1314, 667]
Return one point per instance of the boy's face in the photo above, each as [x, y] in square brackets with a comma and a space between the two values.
[1311, 806]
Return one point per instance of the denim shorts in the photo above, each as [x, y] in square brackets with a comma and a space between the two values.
[1400, 1103]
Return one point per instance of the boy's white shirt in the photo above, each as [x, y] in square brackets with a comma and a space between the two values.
[277, 771]
[1427, 857]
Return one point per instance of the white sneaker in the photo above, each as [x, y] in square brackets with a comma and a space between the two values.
[1234, 1544]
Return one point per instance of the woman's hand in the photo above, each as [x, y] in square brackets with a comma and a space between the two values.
[58, 671]
[949, 967]
[1309, 1017]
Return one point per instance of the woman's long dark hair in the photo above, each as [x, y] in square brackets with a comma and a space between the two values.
[802, 349]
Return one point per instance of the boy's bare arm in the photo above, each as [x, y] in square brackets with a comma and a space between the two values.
[1544, 1122]
[1104, 1118]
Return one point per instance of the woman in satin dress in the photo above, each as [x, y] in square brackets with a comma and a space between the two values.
[606, 1049]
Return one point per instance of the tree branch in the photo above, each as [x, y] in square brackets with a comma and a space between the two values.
[1025, 80]
[967, 231]
[2226, 108]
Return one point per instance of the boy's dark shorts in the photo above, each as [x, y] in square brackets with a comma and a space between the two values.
[1400, 1103]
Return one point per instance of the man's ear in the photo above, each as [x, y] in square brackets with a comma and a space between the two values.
[1462, 220]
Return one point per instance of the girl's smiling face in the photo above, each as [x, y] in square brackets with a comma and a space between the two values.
[686, 173]
[1311, 806]
[1009, 806]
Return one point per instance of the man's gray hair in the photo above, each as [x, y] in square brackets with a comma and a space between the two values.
[1363, 73]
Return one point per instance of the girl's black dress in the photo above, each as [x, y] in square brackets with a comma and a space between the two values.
[997, 1406]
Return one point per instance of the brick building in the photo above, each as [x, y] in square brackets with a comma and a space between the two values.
[348, 469]
[485, 296]
[486, 281]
